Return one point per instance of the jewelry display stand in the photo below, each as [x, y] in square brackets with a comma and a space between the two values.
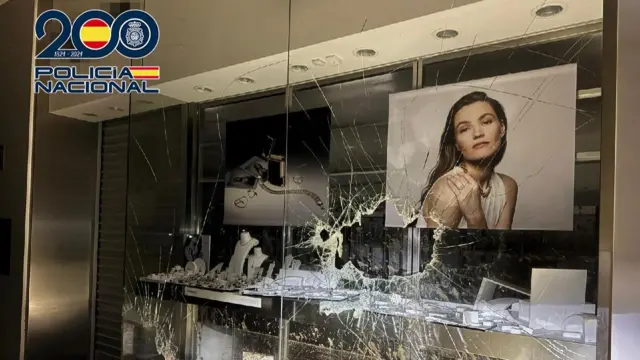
[572, 322]
[254, 263]
[231, 279]
[243, 247]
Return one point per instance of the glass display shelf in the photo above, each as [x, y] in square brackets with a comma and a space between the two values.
[309, 322]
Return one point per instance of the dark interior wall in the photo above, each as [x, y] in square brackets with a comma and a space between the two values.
[16, 34]
[46, 292]
[61, 256]
[64, 171]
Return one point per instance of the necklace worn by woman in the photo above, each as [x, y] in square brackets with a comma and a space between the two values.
[484, 193]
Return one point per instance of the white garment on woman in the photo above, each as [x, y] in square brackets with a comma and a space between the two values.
[493, 204]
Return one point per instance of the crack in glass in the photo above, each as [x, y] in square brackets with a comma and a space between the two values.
[384, 307]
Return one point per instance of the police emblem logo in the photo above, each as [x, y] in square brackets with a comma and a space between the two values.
[95, 34]
[135, 34]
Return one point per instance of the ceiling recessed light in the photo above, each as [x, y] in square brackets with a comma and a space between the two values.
[365, 53]
[318, 62]
[146, 102]
[549, 10]
[245, 80]
[334, 60]
[299, 68]
[203, 89]
[89, 114]
[116, 108]
[446, 34]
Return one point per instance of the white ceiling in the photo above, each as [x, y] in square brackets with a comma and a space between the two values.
[212, 43]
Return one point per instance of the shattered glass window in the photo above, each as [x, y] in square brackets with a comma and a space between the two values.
[366, 180]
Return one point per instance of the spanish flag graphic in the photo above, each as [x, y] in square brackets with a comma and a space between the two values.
[145, 72]
[95, 34]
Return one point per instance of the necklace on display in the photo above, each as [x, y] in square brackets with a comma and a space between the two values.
[484, 193]
[255, 261]
[258, 257]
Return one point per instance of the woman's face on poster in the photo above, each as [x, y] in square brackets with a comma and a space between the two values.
[478, 131]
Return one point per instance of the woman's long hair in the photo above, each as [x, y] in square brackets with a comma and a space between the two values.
[449, 155]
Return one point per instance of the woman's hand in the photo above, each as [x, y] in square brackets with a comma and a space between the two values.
[467, 193]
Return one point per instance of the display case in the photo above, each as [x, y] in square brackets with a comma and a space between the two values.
[340, 279]
[367, 206]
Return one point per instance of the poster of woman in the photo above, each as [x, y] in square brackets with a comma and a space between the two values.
[495, 153]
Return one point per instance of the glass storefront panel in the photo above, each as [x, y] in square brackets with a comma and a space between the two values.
[439, 239]
[185, 246]
[326, 181]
